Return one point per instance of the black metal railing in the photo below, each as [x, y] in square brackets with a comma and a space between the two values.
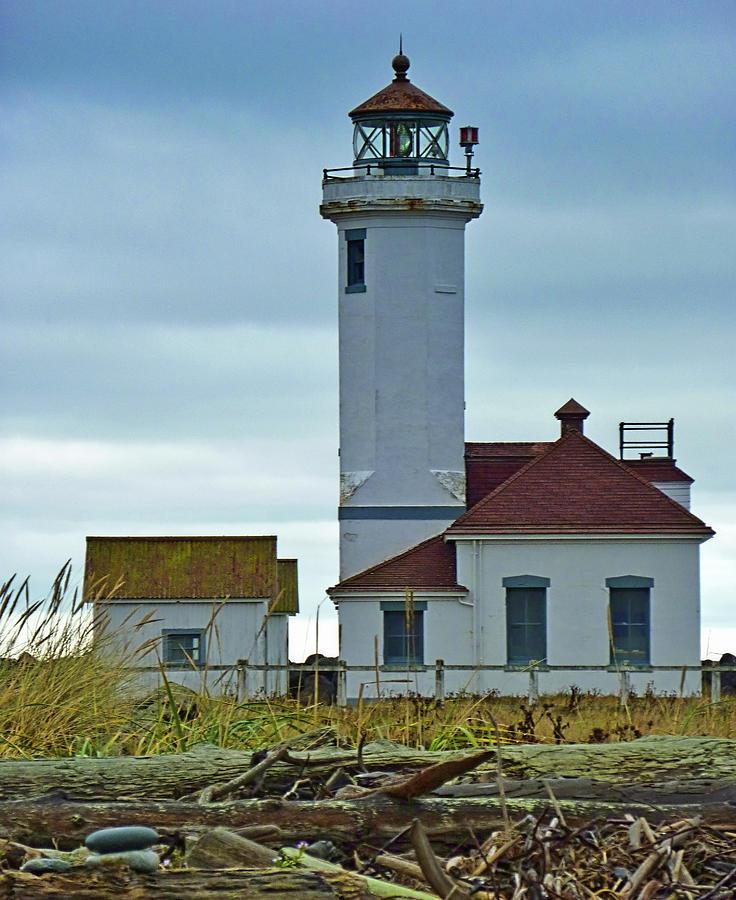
[656, 428]
[433, 169]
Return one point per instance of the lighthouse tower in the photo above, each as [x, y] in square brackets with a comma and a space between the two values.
[400, 212]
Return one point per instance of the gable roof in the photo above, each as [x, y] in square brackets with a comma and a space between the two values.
[575, 487]
[430, 566]
[189, 568]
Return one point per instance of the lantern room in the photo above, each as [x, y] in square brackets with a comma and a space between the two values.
[401, 129]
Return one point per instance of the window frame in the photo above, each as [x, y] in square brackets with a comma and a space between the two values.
[412, 651]
[630, 590]
[189, 658]
[355, 260]
[524, 589]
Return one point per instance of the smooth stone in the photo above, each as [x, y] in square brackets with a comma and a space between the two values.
[138, 860]
[41, 864]
[118, 840]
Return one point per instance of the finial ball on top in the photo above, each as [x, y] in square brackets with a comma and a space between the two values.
[400, 65]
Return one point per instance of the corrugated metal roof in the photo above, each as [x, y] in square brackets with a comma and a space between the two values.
[196, 568]
[287, 600]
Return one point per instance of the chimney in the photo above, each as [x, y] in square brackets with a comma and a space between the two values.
[571, 417]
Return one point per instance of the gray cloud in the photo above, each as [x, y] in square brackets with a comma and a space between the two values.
[168, 288]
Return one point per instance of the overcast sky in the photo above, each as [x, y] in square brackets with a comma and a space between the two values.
[169, 295]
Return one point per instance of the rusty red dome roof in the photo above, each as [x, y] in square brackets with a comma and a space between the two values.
[400, 96]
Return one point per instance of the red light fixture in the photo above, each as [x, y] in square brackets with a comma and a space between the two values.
[468, 140]
[468, 137]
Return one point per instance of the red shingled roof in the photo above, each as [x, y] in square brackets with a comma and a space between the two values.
[575, 487]
[657, 469]
[430, 566]
[487, 465]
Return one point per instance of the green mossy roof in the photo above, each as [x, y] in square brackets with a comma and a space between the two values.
[288, 597]
[196, 568]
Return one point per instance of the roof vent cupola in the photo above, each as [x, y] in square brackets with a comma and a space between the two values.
[571, 416]
[400, 128]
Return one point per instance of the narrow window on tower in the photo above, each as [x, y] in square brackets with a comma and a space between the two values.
[355, 276]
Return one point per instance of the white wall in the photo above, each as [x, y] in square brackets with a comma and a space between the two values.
[679, 491]
[577, 621]
[447, 635]
[232, 636]
[577, 601]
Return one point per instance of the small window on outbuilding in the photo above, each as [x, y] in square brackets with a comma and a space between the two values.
[526, 619]
[183, 646]
[403, 633]
[355, 276]
[630, 619]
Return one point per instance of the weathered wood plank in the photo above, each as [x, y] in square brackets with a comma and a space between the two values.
[375, 818]
[172, 776]
[230, 884]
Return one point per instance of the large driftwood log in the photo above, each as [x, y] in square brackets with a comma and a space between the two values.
[229, 884]
[170, 777]
[375, 818]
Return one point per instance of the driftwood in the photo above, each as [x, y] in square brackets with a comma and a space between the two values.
[228, 884]
[173, 776]
[374, 818]
[461, 798]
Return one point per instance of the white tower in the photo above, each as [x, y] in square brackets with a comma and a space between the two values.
[400, 212]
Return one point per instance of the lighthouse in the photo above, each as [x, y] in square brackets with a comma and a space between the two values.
[400, 211]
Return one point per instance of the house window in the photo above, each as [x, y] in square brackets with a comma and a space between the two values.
[355, 280]
[183, 646]
[403, 633]
[630, 619]
[526, 619]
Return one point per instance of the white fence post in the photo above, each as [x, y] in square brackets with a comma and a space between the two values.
[439, 679]
[715, 686]
[533, 686]
[624, 687]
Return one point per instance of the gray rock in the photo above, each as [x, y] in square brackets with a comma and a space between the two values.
[118, 840]
[138, 860]
[41, 865]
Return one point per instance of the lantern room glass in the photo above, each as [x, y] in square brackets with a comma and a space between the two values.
[416, 139]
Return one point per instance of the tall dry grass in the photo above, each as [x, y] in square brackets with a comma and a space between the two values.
[66, 690]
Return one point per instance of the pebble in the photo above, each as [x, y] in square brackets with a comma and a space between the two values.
[41, 864]
[119, 840]
[324, 850]
[138, 860]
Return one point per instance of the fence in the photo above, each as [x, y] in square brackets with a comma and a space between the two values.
[246, 672]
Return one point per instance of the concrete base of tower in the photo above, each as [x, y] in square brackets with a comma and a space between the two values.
[371, 535]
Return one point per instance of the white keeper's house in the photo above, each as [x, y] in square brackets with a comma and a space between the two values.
[512, 555]
[194, 606]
